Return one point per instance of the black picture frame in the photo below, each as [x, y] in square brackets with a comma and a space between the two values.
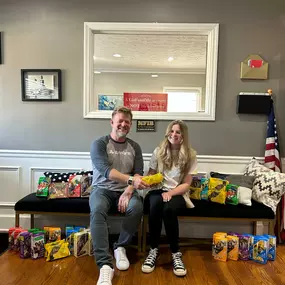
[41, 85]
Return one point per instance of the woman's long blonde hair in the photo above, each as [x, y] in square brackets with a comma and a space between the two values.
[165, 157]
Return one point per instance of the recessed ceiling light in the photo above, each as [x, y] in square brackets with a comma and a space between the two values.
[97, 72]
[94, 57]
[154, 75]
[170, 58]
[117, 55]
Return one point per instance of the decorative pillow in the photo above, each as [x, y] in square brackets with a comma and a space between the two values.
[254, 168]
[219, 175]
[268, 186]
[237, 179]
[59, 177]
[244, 196]
[217, 190]
[241, 180]
[232, 194]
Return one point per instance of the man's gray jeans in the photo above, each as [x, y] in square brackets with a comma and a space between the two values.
[101, 201]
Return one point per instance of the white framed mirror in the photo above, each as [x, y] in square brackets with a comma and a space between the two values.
[163, 71]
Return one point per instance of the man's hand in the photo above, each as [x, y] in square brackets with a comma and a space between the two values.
[138, 183]
[166, 196]
[124, 201]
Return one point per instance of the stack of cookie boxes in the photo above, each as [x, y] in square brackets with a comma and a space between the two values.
[80, 241]
[36, 243]
[234, 246]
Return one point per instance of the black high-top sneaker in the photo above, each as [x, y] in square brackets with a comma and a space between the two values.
[149, 263]
[178, 265]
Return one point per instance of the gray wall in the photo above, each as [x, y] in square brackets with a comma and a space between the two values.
[49, 34]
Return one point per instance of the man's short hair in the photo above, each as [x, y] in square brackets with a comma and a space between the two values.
[123, 110]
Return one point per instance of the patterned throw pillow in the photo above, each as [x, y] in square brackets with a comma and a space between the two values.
[64, 177]
[268, 186]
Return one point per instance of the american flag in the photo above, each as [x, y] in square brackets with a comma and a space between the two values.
[272, 157]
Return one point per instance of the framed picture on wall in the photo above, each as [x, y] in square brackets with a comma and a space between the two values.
[41, 84]
[109, 102]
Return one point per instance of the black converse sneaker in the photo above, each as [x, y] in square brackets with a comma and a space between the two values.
[178, 266]
[149, 263]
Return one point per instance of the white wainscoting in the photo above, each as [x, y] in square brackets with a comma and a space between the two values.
[20, 171]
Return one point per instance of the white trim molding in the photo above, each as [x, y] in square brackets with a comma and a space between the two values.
[17, 170]
[211, 30]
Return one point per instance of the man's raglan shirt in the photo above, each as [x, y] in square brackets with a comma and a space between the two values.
[106, 154]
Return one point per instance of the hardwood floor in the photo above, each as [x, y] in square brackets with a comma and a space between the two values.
[202, 269]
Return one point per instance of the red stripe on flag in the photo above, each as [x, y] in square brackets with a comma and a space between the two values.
[270, 146]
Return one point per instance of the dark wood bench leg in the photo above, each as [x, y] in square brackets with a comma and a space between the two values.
[32, 221]
[140, 236]
[254, 228]
[17, 220]
[145, 224]
[271, 227]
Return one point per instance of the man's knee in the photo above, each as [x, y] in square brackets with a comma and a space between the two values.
[136, 207]
[98, 211]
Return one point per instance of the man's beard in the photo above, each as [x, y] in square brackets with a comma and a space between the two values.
[121, 134]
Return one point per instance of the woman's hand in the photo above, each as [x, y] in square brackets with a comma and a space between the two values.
[166, 196]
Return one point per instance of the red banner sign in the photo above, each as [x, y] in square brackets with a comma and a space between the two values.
[152, 102]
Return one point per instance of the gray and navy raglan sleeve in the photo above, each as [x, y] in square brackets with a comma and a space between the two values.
[138, 160]
[99, 156]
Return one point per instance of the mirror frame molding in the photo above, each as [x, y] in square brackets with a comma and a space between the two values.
[210, 30]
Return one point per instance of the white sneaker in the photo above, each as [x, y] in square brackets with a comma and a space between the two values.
[122, 261]
[106, 275]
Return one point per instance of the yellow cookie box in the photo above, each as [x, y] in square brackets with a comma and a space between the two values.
[153, 179]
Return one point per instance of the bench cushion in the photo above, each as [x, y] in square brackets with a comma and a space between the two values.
[32, 203]
[205, 208]
[41, 204]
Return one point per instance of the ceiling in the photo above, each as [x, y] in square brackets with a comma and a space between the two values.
[150, 53]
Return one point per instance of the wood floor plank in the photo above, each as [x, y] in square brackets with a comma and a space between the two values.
[202, 270]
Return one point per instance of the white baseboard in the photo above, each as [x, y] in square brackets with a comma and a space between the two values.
[20, 170]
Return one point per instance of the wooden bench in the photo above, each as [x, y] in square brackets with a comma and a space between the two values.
[203, 211]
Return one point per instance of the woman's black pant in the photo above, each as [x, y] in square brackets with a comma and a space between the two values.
[163, 211]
